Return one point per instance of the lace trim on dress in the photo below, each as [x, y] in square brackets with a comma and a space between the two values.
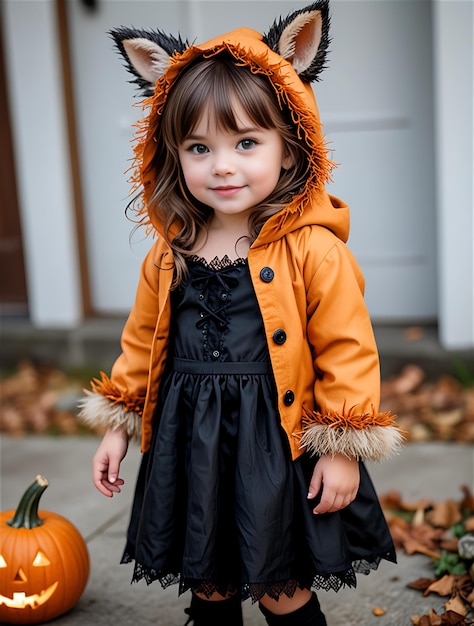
[333, 581]
[216, 263]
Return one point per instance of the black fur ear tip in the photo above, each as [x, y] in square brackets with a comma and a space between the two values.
[114, 33]
[120, 33]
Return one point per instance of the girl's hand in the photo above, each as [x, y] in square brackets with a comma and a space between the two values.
[106, 462]
[339, 479]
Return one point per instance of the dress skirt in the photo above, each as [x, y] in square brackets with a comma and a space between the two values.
[219, 505]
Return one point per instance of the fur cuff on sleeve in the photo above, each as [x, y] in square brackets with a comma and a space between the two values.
[97, 411]
[370, 437]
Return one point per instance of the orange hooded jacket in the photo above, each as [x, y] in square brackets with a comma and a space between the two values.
[308, 285]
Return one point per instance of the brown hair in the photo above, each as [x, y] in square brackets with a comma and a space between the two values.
[210, 86]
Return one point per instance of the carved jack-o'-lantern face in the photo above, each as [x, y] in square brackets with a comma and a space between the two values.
[44, 563]
[20, 599]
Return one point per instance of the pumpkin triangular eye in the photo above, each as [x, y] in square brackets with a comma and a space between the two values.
[20, 576]
[3, 563]
[41, 560]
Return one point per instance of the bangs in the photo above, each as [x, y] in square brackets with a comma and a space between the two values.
[210, 89]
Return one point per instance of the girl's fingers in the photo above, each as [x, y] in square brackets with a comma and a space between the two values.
[101, 486]
[332, 502]
[107, 488]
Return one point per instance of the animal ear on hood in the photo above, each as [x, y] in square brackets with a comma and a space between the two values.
[146, 53]
[302, 38]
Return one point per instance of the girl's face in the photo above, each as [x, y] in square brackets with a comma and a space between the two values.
[232, 171]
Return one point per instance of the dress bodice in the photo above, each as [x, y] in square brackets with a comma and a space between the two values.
[216, 315]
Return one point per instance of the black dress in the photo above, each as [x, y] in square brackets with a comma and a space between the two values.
[219, 504]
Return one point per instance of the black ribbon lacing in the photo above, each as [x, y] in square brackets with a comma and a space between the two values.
[226, 281]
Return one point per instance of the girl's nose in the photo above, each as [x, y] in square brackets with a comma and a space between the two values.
[222, 165]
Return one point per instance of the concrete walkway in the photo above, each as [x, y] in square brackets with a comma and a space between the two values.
[434, 470]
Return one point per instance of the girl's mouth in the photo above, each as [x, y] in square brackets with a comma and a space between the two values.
[226, 190]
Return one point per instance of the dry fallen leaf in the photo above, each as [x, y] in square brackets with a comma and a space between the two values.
[435, 619]
[422, 538]
[441, 409]
[468, 501]
[432, 619]
[32, 401]
[470, 598]
[410, 377]
[421, 584]
[447, 394]
[436, 533]
[444, 514]
[443, 586]
[457, 605]
[469, 524]
[378, 611]
[450, 618]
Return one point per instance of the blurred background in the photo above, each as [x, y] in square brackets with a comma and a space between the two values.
[397, 106]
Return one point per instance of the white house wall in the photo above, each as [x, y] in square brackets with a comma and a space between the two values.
[41, 150]
[377, 105]
[454, 62]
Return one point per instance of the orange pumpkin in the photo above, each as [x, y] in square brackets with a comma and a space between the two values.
[44, 562]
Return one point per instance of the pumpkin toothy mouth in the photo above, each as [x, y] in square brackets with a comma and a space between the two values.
[20, 600]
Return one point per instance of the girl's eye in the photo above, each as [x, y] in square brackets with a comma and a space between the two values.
[198, 148]
[247, 144]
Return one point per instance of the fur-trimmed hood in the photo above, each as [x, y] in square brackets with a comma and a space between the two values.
[291, 54]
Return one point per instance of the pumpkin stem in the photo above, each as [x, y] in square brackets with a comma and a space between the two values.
[26, 515]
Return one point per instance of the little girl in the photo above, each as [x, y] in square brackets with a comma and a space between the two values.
[248, 361]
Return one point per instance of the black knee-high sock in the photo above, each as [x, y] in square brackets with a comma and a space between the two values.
[215, 613]
[309, 614]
